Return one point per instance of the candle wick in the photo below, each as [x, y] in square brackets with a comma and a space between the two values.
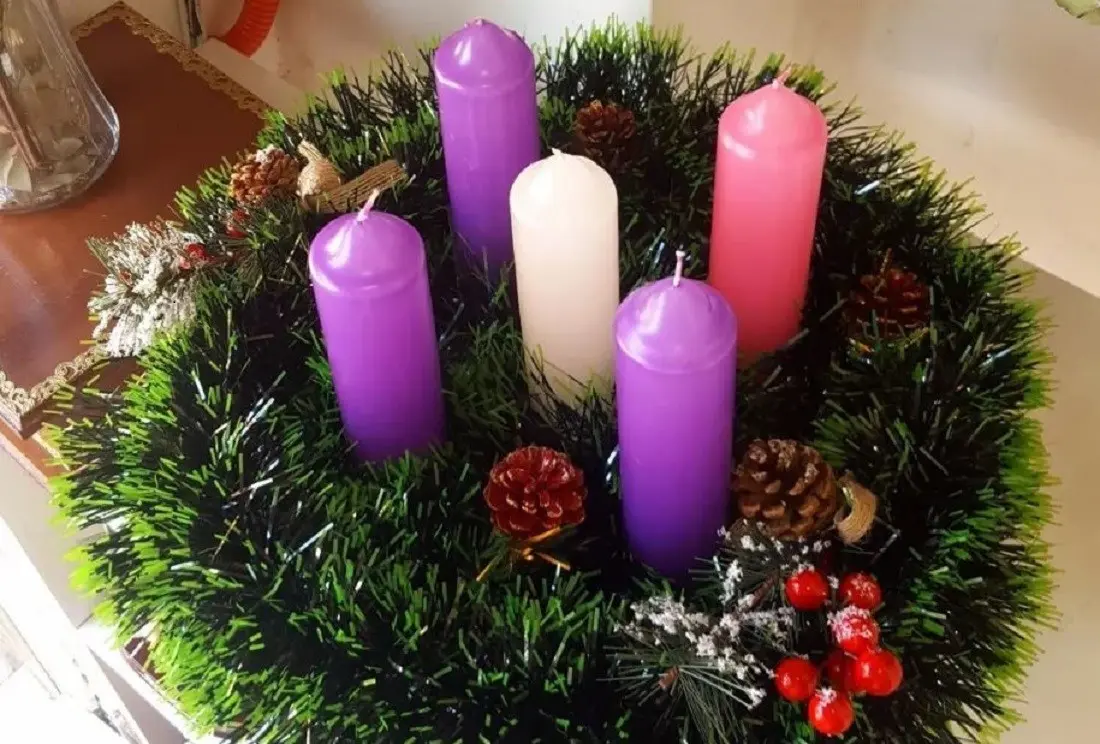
[783, 76]
[679, 275]
[368, 206]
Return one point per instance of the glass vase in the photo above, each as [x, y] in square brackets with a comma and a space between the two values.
[58, 134]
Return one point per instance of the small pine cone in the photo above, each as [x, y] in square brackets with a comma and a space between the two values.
[786, 486]
[897, 299]
[605, 133]
[264, 174]
[535, 489]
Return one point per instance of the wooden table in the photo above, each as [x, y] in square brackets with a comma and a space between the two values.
[179, 115]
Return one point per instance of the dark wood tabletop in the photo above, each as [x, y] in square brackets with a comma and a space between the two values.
[178, 116]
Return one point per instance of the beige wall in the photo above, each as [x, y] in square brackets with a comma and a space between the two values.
[1001, 91]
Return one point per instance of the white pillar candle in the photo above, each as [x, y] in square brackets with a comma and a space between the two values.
[565, 233]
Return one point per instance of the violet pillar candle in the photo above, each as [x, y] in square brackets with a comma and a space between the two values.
[674, 374]
[488, 116]
[370, 278]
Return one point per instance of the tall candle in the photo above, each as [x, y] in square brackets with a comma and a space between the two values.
[674, 378]
[767, 180]
[370, 279]
[565, 224]
[488, 115]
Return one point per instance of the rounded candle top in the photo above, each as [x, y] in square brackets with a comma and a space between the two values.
[773, 116]
[483, 57]
[371, 251]
[676, 325]
[559, 185]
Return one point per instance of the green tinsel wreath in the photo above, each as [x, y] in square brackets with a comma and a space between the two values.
[299, 597]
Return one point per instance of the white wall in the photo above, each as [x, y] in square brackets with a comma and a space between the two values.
[26, 511]
[311, 38]
[162, 12]
[1001, 91]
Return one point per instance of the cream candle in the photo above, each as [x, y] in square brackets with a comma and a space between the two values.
[565, 234]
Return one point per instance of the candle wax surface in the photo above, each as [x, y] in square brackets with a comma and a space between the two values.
[370, 280]
[674, 375]
[565, 223]
[488, 118]
[767, 181]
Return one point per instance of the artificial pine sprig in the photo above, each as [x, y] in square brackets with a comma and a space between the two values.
[152, 277]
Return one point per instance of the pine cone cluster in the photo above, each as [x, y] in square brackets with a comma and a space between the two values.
[605, 132]
[264, 174]
[897, 299]
[786, 486]
[535, 489]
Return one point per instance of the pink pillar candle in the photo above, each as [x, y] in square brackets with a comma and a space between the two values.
[767, 181]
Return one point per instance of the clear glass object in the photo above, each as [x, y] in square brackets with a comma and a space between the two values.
[58, 134]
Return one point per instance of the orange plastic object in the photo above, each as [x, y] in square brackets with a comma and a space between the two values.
[252, 26]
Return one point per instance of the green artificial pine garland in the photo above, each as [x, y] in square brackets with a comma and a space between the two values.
[300, 597]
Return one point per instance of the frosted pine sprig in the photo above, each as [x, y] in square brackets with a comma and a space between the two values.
[149, 287]
[700, 644]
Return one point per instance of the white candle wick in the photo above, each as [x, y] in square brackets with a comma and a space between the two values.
[676, 277]
[783, 76]
[368, 206]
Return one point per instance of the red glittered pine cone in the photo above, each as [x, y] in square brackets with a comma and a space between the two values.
[897, 300]
[533, 490]
[605, 133]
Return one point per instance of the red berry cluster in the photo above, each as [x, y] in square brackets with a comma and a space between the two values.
[194, 256]
[235, 224]
[856, 667]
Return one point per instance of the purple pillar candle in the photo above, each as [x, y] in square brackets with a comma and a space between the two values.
[674, 375]
[488, 115]
[370, 279]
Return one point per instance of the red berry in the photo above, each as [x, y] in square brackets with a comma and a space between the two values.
[878, 672]
[840, 671]
[807, 590]
[234, 226]
[795, 679]
[860, 590]
[830, 712]
[855, 630]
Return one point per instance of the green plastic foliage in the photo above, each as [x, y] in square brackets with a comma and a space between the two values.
[303, 598]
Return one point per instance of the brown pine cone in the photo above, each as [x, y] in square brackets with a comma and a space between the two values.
[786, 486]
[264, 174]
[535, 489]
[605, 132]
[897, 299]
